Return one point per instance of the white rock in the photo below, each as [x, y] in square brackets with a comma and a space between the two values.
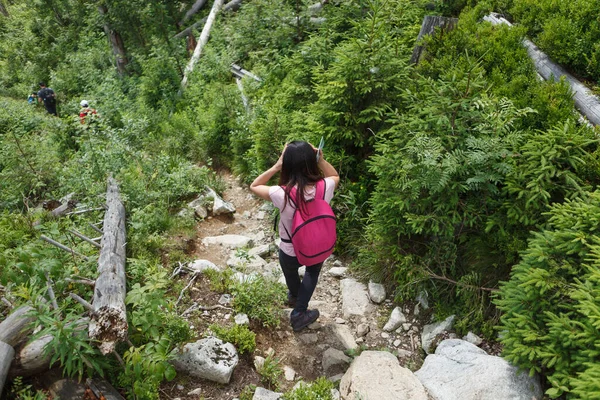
[396, 319]
[344, 336]
[265, 394]
[338, 272]
[252, 263]
[385, 335]
[355, 299]
[259, 362]
[473, 339]
[376, 292]
[431, 331]
[201, 266]
[260, 251]
[339, 320]
[260, 215]
[461, 370]
[225, 299]
[289, 373]
[422, 299]
[362, 330]
[335, 378]
[220, 206]
[195, 392]
[241, 319]
[397, 342]
[335, 394]
[406, 327]
[378, 375]
[208, 358]
[229, 241]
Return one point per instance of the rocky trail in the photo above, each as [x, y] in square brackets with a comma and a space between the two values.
[360, 332]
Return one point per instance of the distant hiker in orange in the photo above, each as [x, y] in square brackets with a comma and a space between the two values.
[85, 111]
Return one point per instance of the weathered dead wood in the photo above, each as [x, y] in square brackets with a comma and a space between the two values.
[585, 101]
[197, 6]
[7, 354]
[190, 283]
[109, 323]
[60, 210]
[231, 6]
[242, 73]
[16, 326]
[51, 292]
[83, 281]
[6, 302]
[84, 238]
[84, 303]
[85, 211]
[201, 42]
[430, 23]
[103, 389]
[31, 359]
[240, 86]
[62, 247]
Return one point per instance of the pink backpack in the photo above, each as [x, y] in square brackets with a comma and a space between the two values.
[313, 228]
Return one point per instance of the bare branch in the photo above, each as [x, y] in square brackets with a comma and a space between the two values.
[83, 237]
[62, 247]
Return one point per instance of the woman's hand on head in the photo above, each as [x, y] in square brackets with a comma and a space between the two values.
[279, 164]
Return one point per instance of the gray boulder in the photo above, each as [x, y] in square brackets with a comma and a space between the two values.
[431, 331]
[335, 361]
[461, 370]
[376, 292]
[343, 335]
[208, 358]
[201, 266]
[378, 375]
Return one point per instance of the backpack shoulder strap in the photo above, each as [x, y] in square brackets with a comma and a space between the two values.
[321, 188]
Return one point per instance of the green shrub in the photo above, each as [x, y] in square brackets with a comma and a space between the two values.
[259, 298]
[551, 302]
[317, 390]
[239, 335]
[270, 372]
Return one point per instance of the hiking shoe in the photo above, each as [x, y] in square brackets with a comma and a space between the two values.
[301, 320]
[291, 300]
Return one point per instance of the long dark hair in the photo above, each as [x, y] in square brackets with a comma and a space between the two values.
[299, 170]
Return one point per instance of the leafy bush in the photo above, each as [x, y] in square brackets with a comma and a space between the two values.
[260, 299]
[317, 390]
[551, 302]
[239, 335]
[270, 372]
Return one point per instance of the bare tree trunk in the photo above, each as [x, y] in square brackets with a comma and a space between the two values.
[3, 11]
[197, 6]
[201, 42]
[585, 101]
[7, 353]
[430, 23]
[109, 322]
[118, 47]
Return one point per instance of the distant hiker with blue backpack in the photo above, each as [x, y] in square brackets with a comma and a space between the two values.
[306, 224]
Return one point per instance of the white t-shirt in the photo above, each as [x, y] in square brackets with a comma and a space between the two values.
[277, 195]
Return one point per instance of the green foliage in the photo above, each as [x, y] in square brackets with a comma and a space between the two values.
[221, 281]
[317, 390]
[20, 391]
[270, 372]
[568, 31]
[248, 392]
[551, 302]
[260, 299]
[239, 335]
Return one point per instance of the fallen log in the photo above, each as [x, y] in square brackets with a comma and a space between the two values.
[201, 42]
[197, 6]
[585, 101]
[231, 6]
[109, 322]
[7, 353]
[16, 326]
[31, 359]
[430, 23]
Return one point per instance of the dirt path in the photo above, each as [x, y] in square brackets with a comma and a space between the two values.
[303, 351]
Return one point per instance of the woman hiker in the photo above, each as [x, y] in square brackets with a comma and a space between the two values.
[301, 171]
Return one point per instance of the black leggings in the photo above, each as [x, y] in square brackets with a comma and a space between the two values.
[304, 289]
